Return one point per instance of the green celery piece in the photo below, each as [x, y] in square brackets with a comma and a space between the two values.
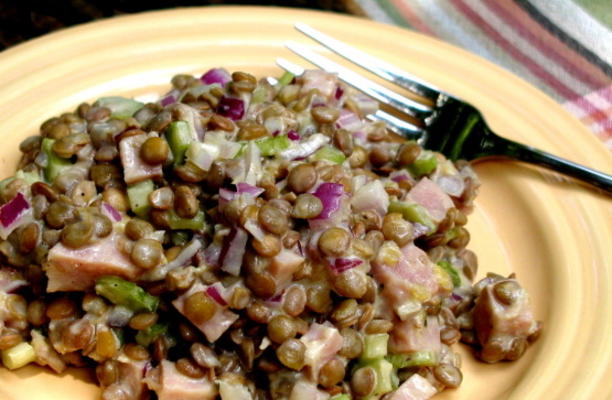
[121, 292]
[138, 195]
[413, 212]
[452, 272]
[30, 177]
[194, 224]
[6, 181]
[384, 373]
[375, 346]
[121, 107]
[424, 164]
[329, 153]
[342, 396]
[55, 164]
[179, 238]
[179, 138]
[272, 145]
[416, 359]
[259, 94]
[147, 336]
[18, 355]
[286, 78]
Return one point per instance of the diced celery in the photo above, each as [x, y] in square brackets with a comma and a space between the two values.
[125, 293]
[194, 224]
[6, 181]
[260, 94]
[121, 107]
[272, 145]
[413, 212]
[179, 138]
[424, 164]
[138, 195]
[147, 336]
[384, 374]
[416, 359]
[342, 396]
[375, 346]
[30, 177]
[55, 164]
[286, 78]
[179, 238]
[18, 355]
[452, 272]
[329, 153]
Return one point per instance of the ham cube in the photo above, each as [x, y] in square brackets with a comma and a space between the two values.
[414, 388]
[306, 390]
[135, 169]
[407, 337]
[214, 327]
[322, 343]
[169, 384]
[77, 269]
[283, 266]
[429, 195]
[411, 281]
[324, 82]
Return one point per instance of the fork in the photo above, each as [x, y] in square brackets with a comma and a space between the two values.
[450, 126]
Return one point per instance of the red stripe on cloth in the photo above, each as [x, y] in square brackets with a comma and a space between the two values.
[411, 16]
[530, 64]
[549, 45]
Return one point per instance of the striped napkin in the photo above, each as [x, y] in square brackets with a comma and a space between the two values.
[563, 47]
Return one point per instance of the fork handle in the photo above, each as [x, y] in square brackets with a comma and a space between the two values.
[521, 152]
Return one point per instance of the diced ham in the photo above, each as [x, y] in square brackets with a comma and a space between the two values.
[371, 196]
[130, 384]
[322, 343]
[283, 266]
[77, 269]
[407, 336]
[414, 388]
[498, 324]
[306, 390]
[45, 354]
[411, 280]
[135, 169]
[169, 384]
[324, 82]
[430, 196]
[214, 327]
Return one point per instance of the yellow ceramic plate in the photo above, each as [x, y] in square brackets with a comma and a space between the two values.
[553, 233]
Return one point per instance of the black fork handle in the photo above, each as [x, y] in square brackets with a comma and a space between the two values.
[521, 152]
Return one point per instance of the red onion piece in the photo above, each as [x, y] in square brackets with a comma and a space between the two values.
[339, 92]
[111, 212]
[216, 75]
[233, 251]
[231, 108]
[293, 135]
[245, 188]
[166, 101]
[212, 254]
[349, 120]
[214, 292]
[12, 210]
[344, 264]
[400, 175]
[330, 195]
[365, 104]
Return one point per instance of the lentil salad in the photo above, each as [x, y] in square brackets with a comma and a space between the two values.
[246, 239]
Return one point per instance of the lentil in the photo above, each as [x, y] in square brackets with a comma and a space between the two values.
[307, 206]
[363, 381]
[146, 253]
[273, 219]
[162, 198]
[291, 353]
[331, 373]
[301, 178]
[268, 246]
[352, 283]
[199, 307]
[189, 368]
[294, 301]
[154, 151]
[334, 242]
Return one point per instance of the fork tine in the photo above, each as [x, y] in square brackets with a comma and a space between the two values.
[365, 85]
[397, 125]
[372, 64]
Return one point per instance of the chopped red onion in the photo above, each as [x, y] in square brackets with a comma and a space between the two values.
[13, 214]
[300, 249]
[214, 292]
[183, 258]
[245, 188]
[212, 254]
[344, 264]
[293, 135]
[277, 298]
[339, 92]
[167, 100]
[330, 195]
[419, 230]
[360, 135]
[254, 229]
[233, 251]
[216, 75]
[111, 212]
[365, 104]
[231, 108]
[400, 176]
[119, 316]
[349, 120]
[452, 185]
[305, 148]
[275, 133]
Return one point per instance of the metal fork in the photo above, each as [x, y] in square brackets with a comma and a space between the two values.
[451, 126]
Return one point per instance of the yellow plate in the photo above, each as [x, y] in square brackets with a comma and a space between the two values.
[553, 233]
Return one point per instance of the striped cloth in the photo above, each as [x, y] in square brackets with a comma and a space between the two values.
[564, 47]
